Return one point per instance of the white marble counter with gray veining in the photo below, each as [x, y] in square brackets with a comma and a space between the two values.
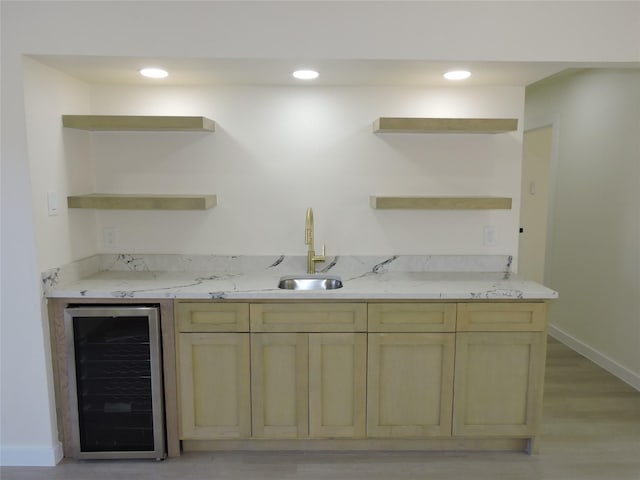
[425, 277]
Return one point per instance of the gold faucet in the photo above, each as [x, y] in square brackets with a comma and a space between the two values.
[312, 258]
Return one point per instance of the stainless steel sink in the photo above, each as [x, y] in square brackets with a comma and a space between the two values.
[310, 282]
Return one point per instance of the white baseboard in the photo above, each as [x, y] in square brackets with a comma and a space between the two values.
[31, 456]
[610, 365]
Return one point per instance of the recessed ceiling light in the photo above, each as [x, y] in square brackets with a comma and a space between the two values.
[154, 73]
[305, 74]
[457, 75]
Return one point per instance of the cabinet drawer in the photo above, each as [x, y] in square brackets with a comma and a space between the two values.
[212, 317]
[412, 317]
[506, 317]
[309, 317]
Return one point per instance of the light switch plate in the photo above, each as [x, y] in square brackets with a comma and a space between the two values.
[53, 204]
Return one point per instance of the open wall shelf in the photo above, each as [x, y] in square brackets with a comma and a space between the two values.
[441, 203]
[142, 202]
[138, 123]
[444, 125]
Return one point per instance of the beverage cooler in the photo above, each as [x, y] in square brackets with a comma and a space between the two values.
[115, 382]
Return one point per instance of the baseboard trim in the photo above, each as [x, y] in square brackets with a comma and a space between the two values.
[610, 365]
[31, 456]
[435, 444]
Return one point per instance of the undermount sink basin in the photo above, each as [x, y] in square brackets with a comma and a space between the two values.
[310, 282]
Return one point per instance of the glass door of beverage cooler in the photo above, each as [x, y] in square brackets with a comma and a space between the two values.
[115, 382]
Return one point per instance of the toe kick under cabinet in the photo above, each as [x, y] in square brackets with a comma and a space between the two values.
[369, 374]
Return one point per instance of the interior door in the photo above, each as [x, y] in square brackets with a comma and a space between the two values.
[534, 206]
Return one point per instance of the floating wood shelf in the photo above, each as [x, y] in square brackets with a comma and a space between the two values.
[139, 123]
[142, 202]
[444, 125]
[441, 203]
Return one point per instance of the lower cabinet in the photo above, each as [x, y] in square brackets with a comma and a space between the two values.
[308, 385]
[410, 384]
[214, 399]
[354, 370]
[499, 373]
[213, 370]
[279, 378]
[498, 383]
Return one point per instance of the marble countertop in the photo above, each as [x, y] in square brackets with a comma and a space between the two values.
[237, 278]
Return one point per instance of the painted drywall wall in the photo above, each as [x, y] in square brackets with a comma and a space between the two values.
[594, 250]
[60, 162]
[484, 31]
[27, 412]
[277, 151]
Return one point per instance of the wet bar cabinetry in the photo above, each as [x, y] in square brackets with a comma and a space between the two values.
[410, 374]
[499, 372]
[410, 369]
[308, 370]
[213, 370]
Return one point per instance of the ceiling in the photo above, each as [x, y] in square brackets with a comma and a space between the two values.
[202, 71]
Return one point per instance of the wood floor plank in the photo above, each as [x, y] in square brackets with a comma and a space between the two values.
[590, 431]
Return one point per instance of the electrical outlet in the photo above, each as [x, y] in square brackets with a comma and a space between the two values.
[490, 236]
[109, 237]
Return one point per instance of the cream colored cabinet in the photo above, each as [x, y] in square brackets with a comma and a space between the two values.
[410, 384]
[428, 371]
[337, 385]
[305, 384]
[279, 380]
[214, 385]
[213, 370]
[499, 370]
[410, 369]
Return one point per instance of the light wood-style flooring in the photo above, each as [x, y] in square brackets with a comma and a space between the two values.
[591, 431]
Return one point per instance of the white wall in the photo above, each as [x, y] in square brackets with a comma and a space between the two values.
[60, 162]
[594, 251]
[277, 151]
[27, 414]
[482, 31]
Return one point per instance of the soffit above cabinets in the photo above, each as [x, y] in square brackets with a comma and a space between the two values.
[111, 70]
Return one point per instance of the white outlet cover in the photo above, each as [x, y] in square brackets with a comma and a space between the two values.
[490, 236]
[109, 237]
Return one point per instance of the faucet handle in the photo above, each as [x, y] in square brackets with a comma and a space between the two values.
[319, 258]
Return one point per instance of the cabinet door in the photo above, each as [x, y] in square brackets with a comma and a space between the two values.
[213, 369]
[337, 384]
[498, 383]
[410, 384]
[279, 385]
